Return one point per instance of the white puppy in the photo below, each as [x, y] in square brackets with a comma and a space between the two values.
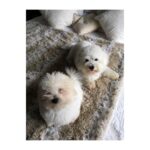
[60, 97]
[91, 61]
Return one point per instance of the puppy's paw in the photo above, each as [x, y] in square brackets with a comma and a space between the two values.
[114, 75]
[111, 74]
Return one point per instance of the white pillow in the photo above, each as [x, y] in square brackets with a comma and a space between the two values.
[86, 24]
[59, 19]
[112, 22]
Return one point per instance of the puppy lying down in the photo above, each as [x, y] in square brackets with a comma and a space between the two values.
[91, 61]
[60, 97]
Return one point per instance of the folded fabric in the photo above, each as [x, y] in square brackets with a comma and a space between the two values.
[86, 24]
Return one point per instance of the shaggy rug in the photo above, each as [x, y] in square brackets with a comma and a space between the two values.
[46, 52]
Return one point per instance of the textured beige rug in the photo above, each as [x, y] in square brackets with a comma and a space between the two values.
[46, 51]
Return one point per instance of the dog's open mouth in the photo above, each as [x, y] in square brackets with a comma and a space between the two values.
[92, 71]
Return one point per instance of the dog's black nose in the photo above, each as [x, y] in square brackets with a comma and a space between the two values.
[91, 67]
[55, 100]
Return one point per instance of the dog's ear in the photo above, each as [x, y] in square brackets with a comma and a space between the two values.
[111, 73]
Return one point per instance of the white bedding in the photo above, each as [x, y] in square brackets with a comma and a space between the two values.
[115, 130]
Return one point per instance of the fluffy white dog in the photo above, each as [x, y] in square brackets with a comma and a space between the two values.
[91, 61]
[60, 97]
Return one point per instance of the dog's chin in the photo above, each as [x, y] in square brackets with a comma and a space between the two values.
[92, 72]
[87, 72]
[60, 105]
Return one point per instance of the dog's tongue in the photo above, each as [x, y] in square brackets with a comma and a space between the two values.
[92, 71]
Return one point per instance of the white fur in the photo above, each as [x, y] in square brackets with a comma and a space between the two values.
[63, 116]
[65, 113]
[84, 50]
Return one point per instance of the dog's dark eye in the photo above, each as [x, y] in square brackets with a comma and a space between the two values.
[96, 59]
[60, 90]
[86, 60]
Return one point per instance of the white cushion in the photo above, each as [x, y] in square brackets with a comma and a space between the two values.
[86, 24]
[112, 22]
[59, 19]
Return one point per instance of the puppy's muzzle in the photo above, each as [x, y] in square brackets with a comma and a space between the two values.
[55, 100]
[91, 67]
